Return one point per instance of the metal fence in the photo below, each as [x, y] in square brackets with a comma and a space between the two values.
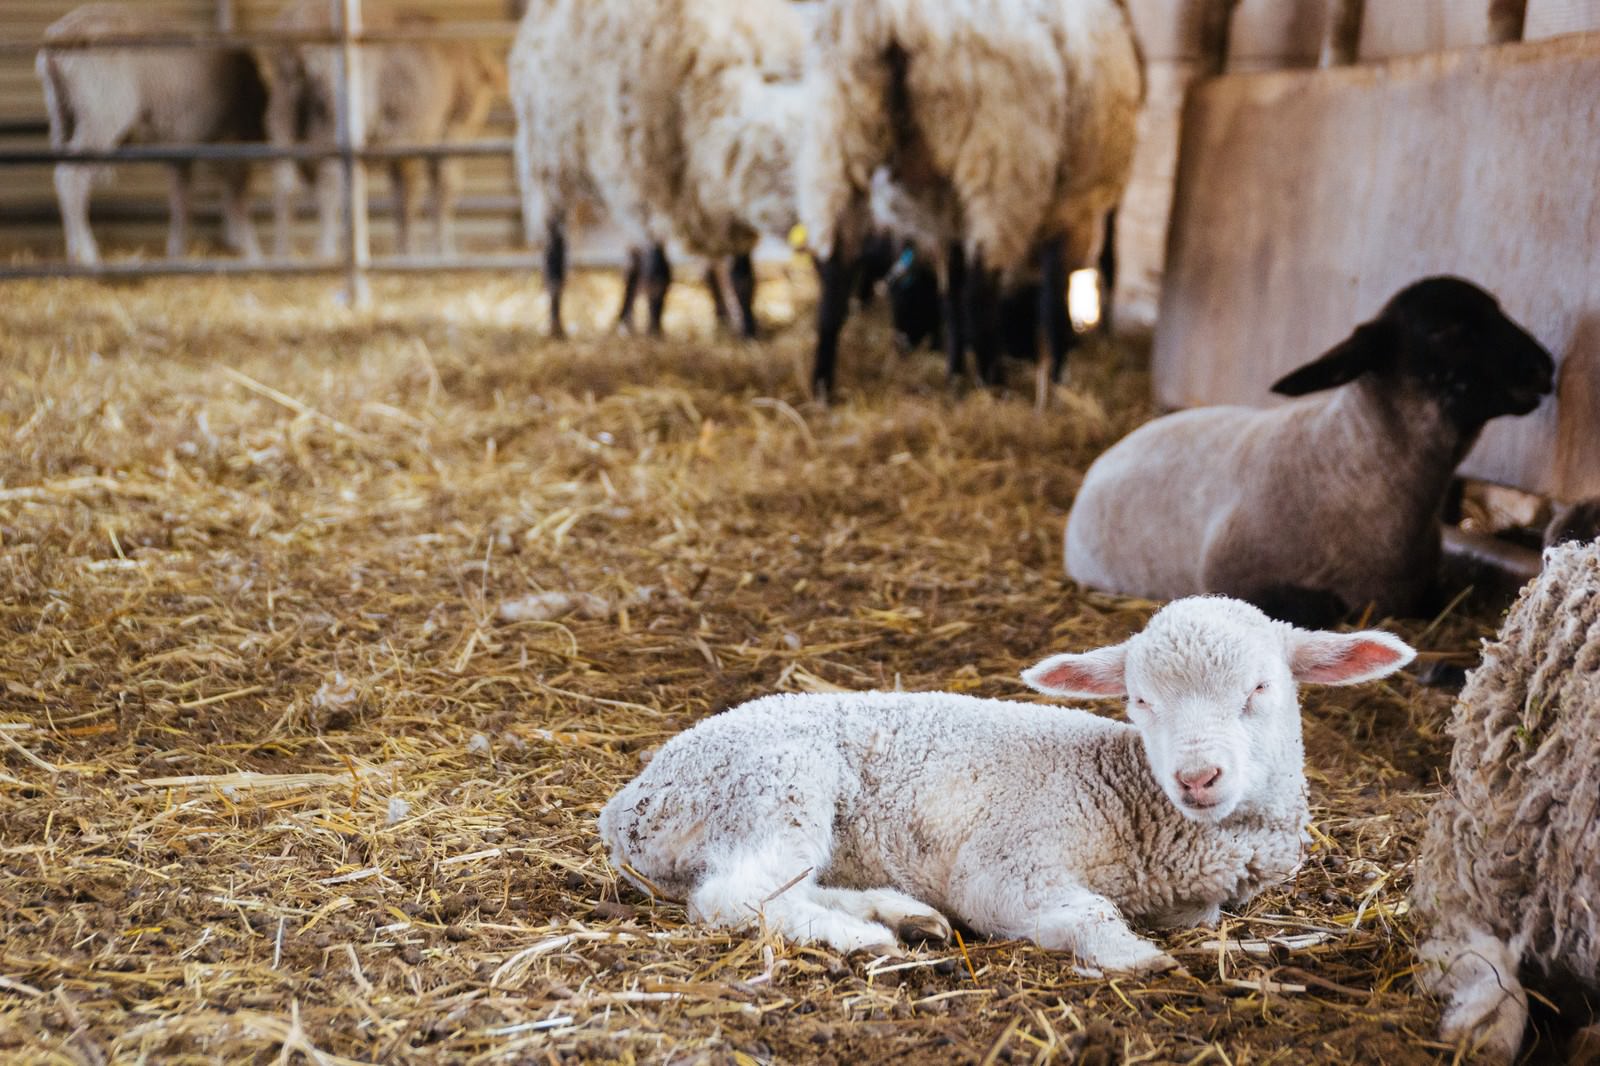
[350, 148]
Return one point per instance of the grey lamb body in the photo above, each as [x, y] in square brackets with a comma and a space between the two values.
[1322, 506]
[1509, 876]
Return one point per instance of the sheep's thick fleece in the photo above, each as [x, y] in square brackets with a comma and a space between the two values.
[679, 117]
[1003, 124]
[1509, 876]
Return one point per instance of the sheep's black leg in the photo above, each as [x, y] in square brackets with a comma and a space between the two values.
[1108, 272]
[1053, 317]
[630, 290]
[743, 273]
[657, 279]
[836, 275]
[983, 321]
[555, 275]
[955, 318]
[719, 306]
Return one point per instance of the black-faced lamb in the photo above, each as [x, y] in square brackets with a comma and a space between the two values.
[1002, 133]
[102, 98]
[856, 817]
[1508, 881]
[412, 92]
[1322, 506]
[678, 118]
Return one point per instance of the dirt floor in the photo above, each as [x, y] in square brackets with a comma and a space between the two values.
[294, 763]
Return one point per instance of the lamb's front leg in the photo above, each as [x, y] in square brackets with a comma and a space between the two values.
[1071, 918]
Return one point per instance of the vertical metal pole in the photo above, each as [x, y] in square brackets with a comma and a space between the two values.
[352, 121]
[1341, 44]
[225, 17]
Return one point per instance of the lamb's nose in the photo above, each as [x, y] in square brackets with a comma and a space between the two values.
[1200, 781]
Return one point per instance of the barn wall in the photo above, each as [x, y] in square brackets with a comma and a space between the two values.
[1307, 198]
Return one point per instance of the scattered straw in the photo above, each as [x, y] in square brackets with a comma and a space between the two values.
[253, 555]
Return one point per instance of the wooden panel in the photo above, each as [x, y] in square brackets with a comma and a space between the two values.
[1305, 199]
[1417, 26]
[1552, 18]
[1167, 29]
[1142, 218]
[1273, 34]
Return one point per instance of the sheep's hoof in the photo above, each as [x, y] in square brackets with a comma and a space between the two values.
[1489, 1020]
[923, 929]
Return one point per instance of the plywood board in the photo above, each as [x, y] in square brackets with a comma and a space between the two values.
[1417, 26]
[1552, 18]
[1306, 198]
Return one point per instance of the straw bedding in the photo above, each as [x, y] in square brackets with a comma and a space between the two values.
[326, 634]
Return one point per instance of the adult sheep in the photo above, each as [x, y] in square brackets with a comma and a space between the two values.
[850, 818]
[677, 117]
[412, 92]
[101, 98]
[1004, 133]
[1322, 506]
[1510, 867]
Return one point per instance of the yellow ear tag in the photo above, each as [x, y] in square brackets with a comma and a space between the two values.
[797, 237]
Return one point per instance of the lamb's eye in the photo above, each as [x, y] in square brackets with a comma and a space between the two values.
[1141, 703]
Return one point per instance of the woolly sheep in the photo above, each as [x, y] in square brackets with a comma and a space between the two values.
[851, 818]
[412, 91]
[101, 98]
[1510, 866]
[1004, 133]
[678, 118]
[568, 145]
[1321, 506]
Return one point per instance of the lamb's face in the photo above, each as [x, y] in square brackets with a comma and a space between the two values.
[1211, 685]
[1212, 695]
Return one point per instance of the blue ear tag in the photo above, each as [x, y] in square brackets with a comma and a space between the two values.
[902, 266]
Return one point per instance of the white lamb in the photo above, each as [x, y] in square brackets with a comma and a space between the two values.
[852, 818]
[1008, 128]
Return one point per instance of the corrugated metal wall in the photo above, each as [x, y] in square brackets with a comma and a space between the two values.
[137, 196]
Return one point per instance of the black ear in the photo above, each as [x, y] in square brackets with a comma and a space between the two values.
[1365, 349]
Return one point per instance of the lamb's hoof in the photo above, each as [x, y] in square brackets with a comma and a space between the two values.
[887, 952]
[1142, 965]
[923, 929]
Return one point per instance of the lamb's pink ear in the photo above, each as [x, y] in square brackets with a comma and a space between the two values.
[1092, 674]
[1346, 658]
